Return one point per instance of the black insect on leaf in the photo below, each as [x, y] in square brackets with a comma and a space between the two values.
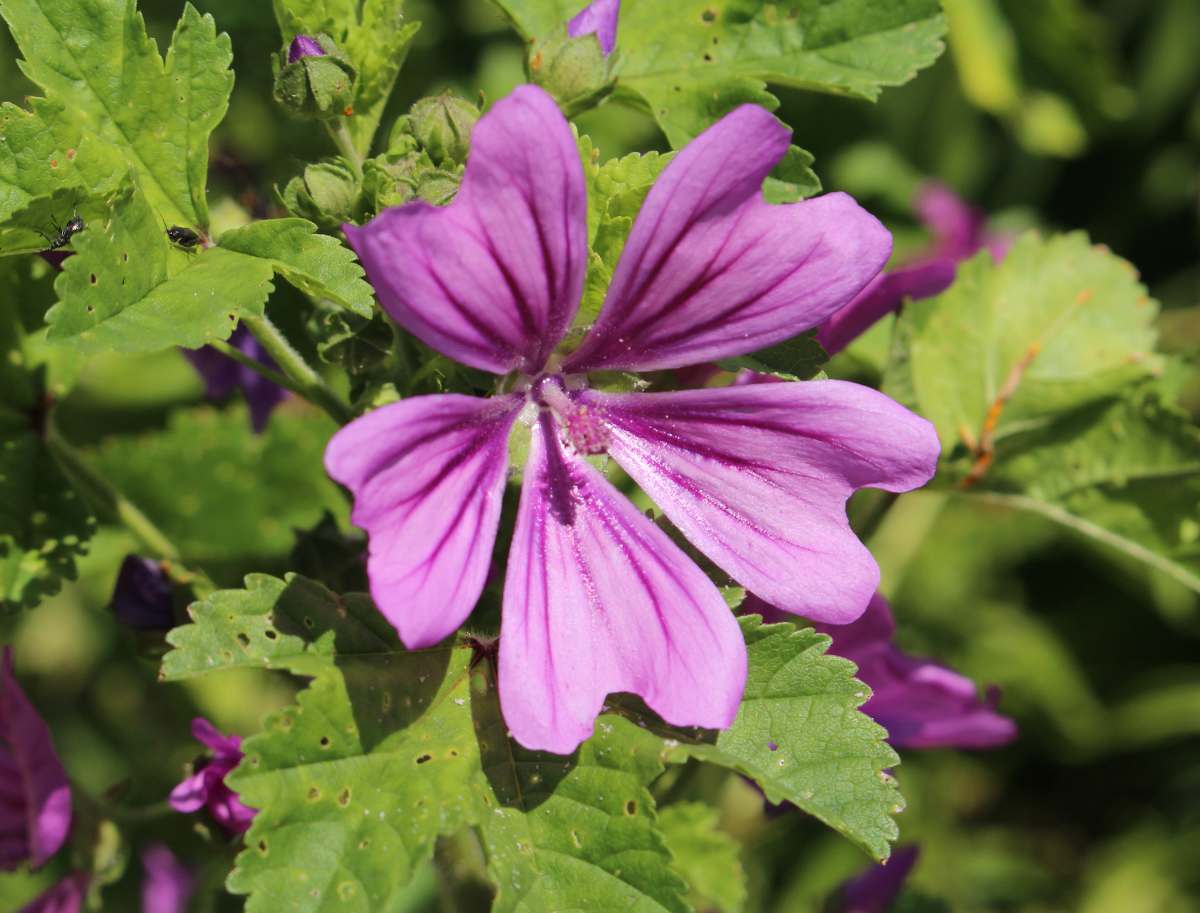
[62, 236]
[186, 238]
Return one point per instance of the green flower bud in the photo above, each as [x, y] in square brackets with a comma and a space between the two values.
[328, 193]
[576, 71]
[393, 179]
[313, 78]
[442, 126]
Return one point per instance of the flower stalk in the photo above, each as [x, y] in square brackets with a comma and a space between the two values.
[305, 381]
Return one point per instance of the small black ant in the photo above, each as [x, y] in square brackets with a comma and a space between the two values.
[63, 235]
[186, 238]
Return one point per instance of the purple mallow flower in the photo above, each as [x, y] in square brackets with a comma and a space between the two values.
[597, 597]
[167, 884]
[920, 703]
[141, 598]
[206, 788]
[222, 375]
[876, 889]
[35, 796]
[598, 18]
[959, 231]
[65, 897]
[304, 46]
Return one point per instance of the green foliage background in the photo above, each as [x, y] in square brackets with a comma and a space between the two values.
[1052, 113]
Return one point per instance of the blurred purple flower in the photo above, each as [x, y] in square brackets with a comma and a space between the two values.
[222, 375]
[65, 897]
[598, 18]
[877, 888]
[35, 796]
[598, 598]
[959, 231]
[206, 788]
[304, 46]
[141, 598]
[167, 883]
[921, 704]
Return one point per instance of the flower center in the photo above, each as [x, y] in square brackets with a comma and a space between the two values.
[580, 426]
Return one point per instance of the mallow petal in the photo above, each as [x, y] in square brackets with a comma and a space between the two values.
[494, 279]
[883, 295]
[427, 475]
[757, 477]
[167, 884]
[598, 18]
[65, 897]
[712, 270]
[35, 795]
[598, 599]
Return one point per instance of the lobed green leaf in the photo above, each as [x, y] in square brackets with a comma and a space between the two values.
[316, 264]
[127, 289]
[95, 60]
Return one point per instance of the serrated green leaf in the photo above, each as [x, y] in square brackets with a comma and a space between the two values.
[800, 736]
[798, 358]
[44, 525]
[1125, 473]
[295, 624]
[1059, 324]
[42, 153]
[388, 749]
[127, 289]
[316, 264]
[706, 857]
[375, 37]
[201, 480]
[690, 62]
[616, 190]
[96, 61]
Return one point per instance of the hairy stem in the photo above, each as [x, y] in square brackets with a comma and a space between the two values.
[114, 505]
[340, 134]
[275, 377]
[307, 382]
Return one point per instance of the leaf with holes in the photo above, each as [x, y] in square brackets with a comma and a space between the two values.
[129, 290]
[1124, 473]
[690, 62]
[388, 749]
[316, 264]
[96, 61]
[213, 503]
[1059, 324]
[800, 736]
[707, 857]
[44, 525]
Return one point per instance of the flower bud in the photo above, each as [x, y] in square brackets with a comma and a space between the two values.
[313, 78]
[442, 126]
[396, 178]
[328, 193]
[304, 46]
[576, 71]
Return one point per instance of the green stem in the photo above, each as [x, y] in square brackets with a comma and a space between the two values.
[308, 383]
[340, 134]
[275, 377]
[111, 503]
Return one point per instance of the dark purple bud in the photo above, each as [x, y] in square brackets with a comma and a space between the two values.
[304, 46]
[142, 597]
